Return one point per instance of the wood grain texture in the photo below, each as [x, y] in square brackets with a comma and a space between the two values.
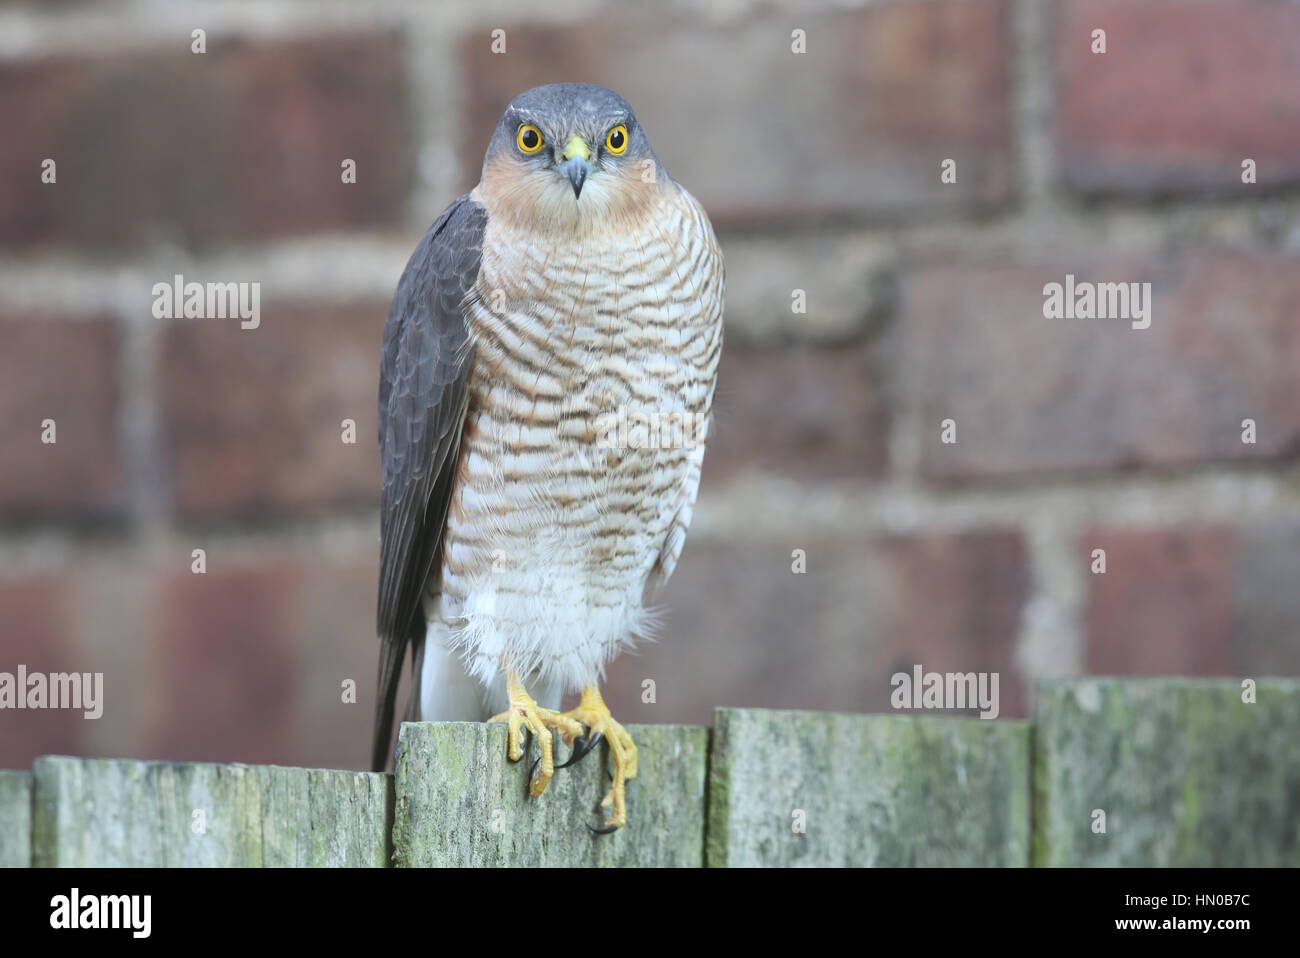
[461, 803]
[867, 790]
[1186, 773]
[105, 812]
[15, 819]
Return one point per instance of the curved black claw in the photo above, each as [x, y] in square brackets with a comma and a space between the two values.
[581, 746]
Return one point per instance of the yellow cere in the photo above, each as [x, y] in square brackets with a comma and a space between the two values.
[529, 138]
[577, 146]
[616, 139]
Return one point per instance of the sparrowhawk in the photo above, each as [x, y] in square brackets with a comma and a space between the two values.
[545, 389]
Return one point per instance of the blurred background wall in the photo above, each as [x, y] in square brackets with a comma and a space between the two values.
[822, 172]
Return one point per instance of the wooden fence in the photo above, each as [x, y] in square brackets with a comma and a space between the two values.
[1110, 772]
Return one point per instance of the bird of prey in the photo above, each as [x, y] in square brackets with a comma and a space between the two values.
[545, 389]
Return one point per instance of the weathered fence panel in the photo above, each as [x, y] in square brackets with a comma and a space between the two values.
[15, 819]
[1177, 772]
[101, 812]
[315, 816]
[809, 788]
[461, 803]
[1115, 771]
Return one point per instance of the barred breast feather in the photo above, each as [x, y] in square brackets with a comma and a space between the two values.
[589, 397]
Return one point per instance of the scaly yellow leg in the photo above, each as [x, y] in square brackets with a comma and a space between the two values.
[524, 712]
[594, 714]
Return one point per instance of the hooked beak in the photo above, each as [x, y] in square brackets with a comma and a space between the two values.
[577, 156]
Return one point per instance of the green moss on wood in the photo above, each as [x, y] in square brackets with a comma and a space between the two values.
[105, 812]
[15, 819]
[461, 803]
[867, 790]
[1185, 772]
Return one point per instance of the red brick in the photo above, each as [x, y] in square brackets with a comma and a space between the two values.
[1033, 395]
[334, 630]
[243, 663]
[252, 416]
[243, 141]
[34, 632]
[1164, 604]
[857, 126]
[741, 629]
[253, 657]
[66, 371]
[112, 617]
[800, 411]
[1186, 90]
[1265, 632]
[226, 686]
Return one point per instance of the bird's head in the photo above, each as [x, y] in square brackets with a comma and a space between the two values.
[567, 154]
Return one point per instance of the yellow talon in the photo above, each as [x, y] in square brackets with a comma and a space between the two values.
[593, 713]
[524, 712]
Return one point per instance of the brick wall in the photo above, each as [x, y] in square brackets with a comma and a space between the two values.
[822, 172]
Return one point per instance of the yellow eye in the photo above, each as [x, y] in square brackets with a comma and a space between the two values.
[616, 140]
[529, 138]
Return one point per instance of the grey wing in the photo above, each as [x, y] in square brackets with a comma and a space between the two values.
[423, 396]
